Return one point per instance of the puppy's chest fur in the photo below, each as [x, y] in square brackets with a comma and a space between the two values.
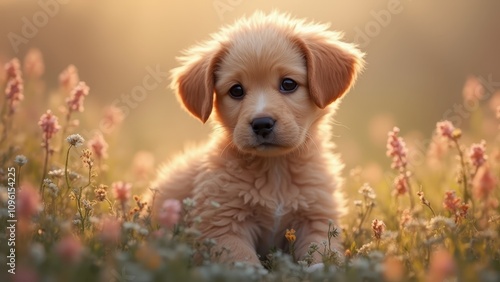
[268, 196]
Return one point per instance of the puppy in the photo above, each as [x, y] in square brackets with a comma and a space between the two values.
[270, 84]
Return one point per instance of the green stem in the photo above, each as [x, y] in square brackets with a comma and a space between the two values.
[79, 207]
[110, 205]
[83, 216]
[432, 210]
[364, 216]
[64, 130]
[66, 170]
[405, 171]
[464, 171]
[45, 164]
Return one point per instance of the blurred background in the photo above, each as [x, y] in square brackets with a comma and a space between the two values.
[419, 56]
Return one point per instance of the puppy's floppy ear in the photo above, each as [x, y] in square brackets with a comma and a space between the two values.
[332, 66]
[194, 80]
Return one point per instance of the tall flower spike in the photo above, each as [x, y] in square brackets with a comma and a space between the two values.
[13, 69]
[401, 185]
[50, 126]
[170, 213]
[14, 93]
[87, 159]
[477, 154]
[75, 101]
[69, 78]
[378, 228]
[451, 201]
[455, 205]
[396, 149]
[446, 130]
[101, 193]
[121, 190]
[99, 146]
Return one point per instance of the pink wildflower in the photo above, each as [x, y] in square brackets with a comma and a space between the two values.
[401, 185]
[483, 183]
[451, 201]
[170, 213]
[69, 249]
[50, 126]
[98, 146]
[33, 63]
[77, 95]
[121, 190]
[378, 228]
[28, 202]
[455, 205]
[446, 130]
[13, 69]
[462, 212]
[69, 78]
[396, 149]
[477, 154]
[14, 93]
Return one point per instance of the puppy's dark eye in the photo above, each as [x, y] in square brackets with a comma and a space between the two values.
[236, 92]
[288, 85]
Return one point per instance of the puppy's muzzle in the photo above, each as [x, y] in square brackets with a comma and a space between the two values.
[263, 127]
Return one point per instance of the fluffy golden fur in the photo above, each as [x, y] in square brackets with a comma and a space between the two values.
[285, 178]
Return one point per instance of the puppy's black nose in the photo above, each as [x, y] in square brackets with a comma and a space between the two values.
[262, 126]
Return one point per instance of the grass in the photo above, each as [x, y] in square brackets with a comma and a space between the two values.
[432, 221]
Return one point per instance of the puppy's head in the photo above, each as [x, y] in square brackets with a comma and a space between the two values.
[268, 79]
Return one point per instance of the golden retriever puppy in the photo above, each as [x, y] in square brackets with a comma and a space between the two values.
[270, 84]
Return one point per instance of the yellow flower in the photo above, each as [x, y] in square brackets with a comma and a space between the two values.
[456, 134]
[290, 235]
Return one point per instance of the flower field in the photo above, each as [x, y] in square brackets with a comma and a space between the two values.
[65, 215]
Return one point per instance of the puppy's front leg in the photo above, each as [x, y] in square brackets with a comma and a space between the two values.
[240, 249]
[236, 234]
[315, 231]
